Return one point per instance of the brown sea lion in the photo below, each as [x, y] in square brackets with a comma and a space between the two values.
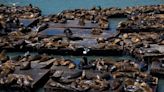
[25, 65]
[81, 22]
[96, 31]
[3, 57]
[72, 66]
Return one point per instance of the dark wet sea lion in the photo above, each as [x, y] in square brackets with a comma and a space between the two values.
[84, 64]
[42, 27]
[75, 38]
[74, 75]
[105, 76]
[68, 32]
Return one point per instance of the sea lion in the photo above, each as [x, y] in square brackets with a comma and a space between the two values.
[100, 64]
[10, 79]
[25, 65]
[153, 51]
[78, 86]
[68, 32]
[6, 68]
[23, 80]
[125, 36]
[57, 74]
[96, 31]
[42, 27]
[81, 22]
[56, 63]
[72, 66]
[3, 57]
[64, 62]
[59, 85]
[85, 64]
[117, 41]
[74, 75]
[115, 84]
[103, 22]
[63, 21]
[100, 40]
[135, 39]
[44, 57]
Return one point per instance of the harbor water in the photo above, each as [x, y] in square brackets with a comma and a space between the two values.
[56, 6]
